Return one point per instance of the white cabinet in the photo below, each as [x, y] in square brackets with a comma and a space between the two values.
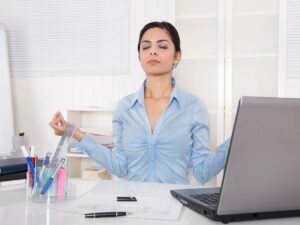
[252, 54]
[94, 120]
[197, 73]
[229, 50]
[199, 69]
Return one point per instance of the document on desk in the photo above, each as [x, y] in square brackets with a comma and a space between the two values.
[145, 207]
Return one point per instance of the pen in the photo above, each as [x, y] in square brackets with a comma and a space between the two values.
[32, 151]
[49, 182]
[105, 214]
[31, 167]
[32, 157]
[45, 163]
[126, 199]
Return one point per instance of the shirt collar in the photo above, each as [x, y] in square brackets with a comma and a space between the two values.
[139, 96]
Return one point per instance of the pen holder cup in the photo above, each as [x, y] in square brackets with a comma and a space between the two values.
[47, 187]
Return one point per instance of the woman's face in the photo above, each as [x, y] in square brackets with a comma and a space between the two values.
[157, 52]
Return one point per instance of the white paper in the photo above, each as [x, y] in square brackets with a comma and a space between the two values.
[144, 207]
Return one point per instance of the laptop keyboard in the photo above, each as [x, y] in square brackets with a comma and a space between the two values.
[209, 199]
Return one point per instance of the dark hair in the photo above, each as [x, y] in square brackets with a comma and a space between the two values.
[166, 26]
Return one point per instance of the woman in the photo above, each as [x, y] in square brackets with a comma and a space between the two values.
[161, 130]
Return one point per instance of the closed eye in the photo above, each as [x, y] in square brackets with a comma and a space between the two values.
[145, 45]
[163, 45]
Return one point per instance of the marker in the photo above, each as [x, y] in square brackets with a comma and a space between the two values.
[32, 151]
[49, 182]
[33, 160]
[32, 156]
[31, 167]
[45, 163]
[61, 178]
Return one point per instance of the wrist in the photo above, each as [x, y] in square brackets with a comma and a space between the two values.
[78, 135]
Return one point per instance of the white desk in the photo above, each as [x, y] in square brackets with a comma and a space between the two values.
[14, 210]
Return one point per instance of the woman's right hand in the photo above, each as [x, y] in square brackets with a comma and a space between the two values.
[58, 124]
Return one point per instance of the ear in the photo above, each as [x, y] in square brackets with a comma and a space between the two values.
[177, 57]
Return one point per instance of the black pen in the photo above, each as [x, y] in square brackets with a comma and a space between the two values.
[105, 214]
[126, 199]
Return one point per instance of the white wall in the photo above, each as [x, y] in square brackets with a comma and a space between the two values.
[36, 99]
[6, 124]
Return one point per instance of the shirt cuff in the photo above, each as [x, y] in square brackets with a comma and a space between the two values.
[87, 144]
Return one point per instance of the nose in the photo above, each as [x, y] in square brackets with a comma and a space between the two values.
[153, 51]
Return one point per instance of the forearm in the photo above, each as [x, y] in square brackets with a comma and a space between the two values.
[210, 163]
[78, 135]
[112, 160]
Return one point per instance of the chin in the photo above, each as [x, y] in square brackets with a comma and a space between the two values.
[158, 72]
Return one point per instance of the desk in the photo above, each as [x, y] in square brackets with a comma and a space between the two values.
[15, 210]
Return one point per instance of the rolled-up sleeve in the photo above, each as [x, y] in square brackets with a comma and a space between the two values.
[113, 160]
[205, 163]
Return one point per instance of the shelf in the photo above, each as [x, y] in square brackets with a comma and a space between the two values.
[203, 16]
[214, 16]
[77, 155]
[199, 57]
[93, 120]
[258, 55]
[91, 109]
[258, 13]
[97, 130]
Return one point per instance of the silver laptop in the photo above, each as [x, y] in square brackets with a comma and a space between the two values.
[261, 177]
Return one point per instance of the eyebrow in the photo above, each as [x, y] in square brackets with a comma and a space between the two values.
[156, 41]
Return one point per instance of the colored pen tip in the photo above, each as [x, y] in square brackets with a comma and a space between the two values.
[24, 150]
[32, 151]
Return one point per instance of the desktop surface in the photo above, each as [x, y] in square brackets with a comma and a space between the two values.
[14, 209]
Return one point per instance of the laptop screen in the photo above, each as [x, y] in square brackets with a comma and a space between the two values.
[263, 163]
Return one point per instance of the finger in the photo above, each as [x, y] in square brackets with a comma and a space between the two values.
[58, 129]
[59, 117]
[55, 120]
[56, 115]
[61, 120]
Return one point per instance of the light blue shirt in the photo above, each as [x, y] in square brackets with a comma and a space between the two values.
[180, 140]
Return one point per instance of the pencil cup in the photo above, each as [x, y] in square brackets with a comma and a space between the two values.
[49, 185]
[29, 186]
[49, 180]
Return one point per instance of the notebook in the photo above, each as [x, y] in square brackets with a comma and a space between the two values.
[12, 165]
[261, 174]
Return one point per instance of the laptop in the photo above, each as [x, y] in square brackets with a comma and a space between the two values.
[261, 176]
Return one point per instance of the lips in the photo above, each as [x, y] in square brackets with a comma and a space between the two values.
[153, 61]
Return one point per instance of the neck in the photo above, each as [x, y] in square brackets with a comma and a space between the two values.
[158, 87]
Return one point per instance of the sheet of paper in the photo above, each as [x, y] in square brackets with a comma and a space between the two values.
[146, 208]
